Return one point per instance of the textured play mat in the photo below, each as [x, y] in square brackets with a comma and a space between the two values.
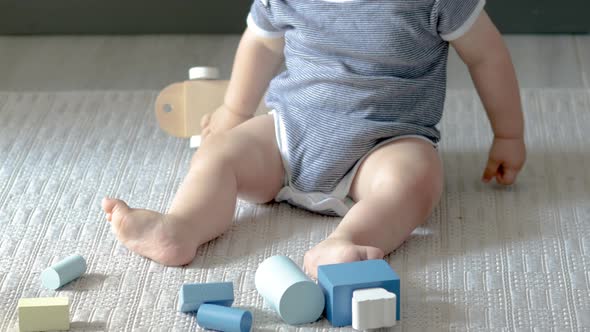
[489, 258]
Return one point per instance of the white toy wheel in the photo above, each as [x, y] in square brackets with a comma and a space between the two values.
[203, 73]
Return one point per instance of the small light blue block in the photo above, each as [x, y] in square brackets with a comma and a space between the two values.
[338, 281]
[289, 291]
[191, 296]
[63, 272]
[220, 318]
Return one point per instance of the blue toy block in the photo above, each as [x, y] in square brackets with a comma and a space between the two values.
[191, 296]
[63, 272]
[289, 291]
[338, 281]
[220, 318]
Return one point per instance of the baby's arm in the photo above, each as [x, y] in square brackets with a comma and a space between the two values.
[484, 52]
[257, 61]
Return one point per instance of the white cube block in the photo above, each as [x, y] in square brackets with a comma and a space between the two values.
[373, 308]
[195, 142]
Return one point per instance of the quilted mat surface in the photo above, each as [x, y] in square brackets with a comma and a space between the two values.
[489, 258]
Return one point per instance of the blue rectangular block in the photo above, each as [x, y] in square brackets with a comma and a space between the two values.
[338, 281]
[191, 296]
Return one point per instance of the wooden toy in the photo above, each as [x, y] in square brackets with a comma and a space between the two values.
[63, 272]
[44, 314]
[339, 281]
[220, 318]
[180, 106]
[373, 308]
[286, 288]
[192, 296]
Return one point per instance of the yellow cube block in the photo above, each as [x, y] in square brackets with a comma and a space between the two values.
[44, 314]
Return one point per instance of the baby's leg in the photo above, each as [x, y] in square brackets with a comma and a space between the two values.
[396, 189]
[244, 161]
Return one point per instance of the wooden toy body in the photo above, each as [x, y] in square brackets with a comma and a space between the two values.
[180, 106]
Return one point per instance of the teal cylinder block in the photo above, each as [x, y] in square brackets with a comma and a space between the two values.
[291, 293]
[63, 272]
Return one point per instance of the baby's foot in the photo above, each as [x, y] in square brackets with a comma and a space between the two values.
[334, 251]
[151, 234]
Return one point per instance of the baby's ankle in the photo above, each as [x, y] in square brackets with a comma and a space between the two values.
[341, 236]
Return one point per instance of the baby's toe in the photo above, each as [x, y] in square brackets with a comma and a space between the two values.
[116, 210]
[108, 205]
[371, 253]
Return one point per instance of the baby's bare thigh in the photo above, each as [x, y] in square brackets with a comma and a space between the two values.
[252, 151]
[409, 164]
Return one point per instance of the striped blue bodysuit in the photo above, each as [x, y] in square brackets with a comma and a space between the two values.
[358, 73]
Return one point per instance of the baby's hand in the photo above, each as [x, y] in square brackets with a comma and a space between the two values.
[506, 158]
[221, 120]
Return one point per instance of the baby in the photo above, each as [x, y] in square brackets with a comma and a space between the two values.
[353, 127]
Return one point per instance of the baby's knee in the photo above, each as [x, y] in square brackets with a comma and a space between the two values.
[422, 182]
[217, 148]
[428, 183]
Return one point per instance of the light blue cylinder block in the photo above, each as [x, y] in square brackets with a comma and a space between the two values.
[293, 295]
[221, 318]
[63, 272]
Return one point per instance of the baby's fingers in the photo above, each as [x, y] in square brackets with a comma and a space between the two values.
[507, 177]
[205, 120]
[205, 133]
[490, 171]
